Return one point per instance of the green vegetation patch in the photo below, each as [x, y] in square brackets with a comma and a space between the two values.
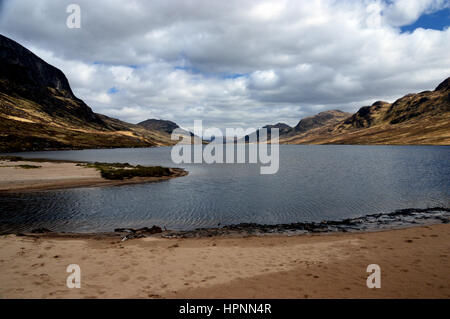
[121, 171]
[113, 171]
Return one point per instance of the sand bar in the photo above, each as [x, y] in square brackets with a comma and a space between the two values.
[58, 175]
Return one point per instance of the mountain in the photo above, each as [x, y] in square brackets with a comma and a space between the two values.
[159, 125]
[321, 119]
[420, 118]
[255, 136]
[167, 127]
[38, 110]
[282, 127]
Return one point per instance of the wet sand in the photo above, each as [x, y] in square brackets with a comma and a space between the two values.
[414, 264]
[58, 175]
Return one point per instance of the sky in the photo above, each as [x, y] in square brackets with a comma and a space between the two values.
[237, 63]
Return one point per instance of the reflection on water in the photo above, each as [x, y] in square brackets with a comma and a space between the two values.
[314, 183]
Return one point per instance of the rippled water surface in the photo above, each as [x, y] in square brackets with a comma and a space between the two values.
[314, 183]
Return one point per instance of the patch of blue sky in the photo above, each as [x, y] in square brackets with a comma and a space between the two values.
[438, 20]
[189, 69]
[228, 75]
[113, 90]
[132, 66]
[234, 75]
[179, 67]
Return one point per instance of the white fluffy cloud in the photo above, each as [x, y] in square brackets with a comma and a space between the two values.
[234, 63]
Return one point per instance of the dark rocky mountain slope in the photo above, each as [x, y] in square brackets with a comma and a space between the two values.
[38, 110]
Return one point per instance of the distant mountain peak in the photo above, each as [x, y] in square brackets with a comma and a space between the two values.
[159, 125]
[281, 126]
[321, 119]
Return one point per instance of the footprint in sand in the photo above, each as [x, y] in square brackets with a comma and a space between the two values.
[208, 278]
[44, 276]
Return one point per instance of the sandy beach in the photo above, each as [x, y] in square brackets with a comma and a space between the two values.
[414, 264]
[58, 175]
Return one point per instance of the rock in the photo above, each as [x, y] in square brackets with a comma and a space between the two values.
[138, 233]
[153, 230]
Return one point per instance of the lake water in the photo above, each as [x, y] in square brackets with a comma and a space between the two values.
[314, 183]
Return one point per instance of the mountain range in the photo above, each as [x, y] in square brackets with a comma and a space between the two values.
[420, 118]
[39, 111]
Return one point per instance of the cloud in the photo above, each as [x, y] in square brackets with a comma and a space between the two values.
[264, 79]
[234, 63]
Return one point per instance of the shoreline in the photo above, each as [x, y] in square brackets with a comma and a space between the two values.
[125, 234]
[399, 219]
[414, 264]
[18, 176]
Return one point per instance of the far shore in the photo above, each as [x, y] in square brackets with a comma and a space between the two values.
[414, 263]
[37, 175]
